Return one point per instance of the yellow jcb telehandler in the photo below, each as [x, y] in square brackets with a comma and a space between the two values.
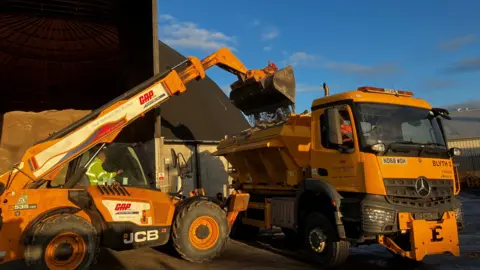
[63, 227]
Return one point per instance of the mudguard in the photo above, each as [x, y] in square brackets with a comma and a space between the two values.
[322, 188]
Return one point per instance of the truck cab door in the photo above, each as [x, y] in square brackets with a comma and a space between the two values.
[335, 150]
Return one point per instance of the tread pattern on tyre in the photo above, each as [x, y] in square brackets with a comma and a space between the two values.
[35, 249]
[178, 241]
[340, 248]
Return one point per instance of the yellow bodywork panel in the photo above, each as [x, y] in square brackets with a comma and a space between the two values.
[360, 96]
[426, 237]
[272, 155]
[238, 203]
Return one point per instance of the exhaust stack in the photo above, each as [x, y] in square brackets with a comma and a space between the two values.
[326, 89]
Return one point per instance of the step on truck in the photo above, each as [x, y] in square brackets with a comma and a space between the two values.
[63, 226]
[369, 166]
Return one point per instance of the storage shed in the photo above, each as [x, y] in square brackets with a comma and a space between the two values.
[463, 131]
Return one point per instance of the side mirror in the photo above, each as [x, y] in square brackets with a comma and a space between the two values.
[174, 158]
[334, 132]
[454, 152]
[441, 112]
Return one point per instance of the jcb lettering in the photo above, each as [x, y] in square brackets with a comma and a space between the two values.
[152, 235]
[146, 97]
[122, 206]
[436, 237]
[141, 236]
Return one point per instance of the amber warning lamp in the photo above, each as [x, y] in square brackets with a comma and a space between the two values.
[385, 91]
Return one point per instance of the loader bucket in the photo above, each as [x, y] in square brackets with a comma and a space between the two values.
[274, 91]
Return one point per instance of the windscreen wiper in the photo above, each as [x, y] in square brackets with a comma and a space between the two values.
[399, 142]
[433, 144]
[428, 144]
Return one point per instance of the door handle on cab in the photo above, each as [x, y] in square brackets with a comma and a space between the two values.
[322, 172]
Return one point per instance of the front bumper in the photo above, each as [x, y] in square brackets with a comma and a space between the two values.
[378, 216]
[426, 237]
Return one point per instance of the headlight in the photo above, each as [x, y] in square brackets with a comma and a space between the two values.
[380, 147]
[379, 215]
[454, 152]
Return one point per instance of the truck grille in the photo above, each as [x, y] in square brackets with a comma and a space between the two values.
[406, 188]
[404, 192]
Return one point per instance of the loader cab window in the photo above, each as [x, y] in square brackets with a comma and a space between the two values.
[345, 127]
[118, 157]
[123, 157]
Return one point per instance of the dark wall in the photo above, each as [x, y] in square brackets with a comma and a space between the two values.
[67, 54]
[72, 54]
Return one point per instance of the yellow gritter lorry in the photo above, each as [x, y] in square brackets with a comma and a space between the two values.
[369, 166]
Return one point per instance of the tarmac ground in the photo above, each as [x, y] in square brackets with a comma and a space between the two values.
[270, 252]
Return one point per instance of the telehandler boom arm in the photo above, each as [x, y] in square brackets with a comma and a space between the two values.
[43, 161]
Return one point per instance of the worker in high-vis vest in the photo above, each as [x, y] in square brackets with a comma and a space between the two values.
[97, 174]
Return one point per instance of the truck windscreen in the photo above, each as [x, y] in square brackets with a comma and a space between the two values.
[399, 126]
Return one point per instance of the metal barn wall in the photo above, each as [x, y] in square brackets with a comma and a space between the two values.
[213, 171]
[469, 161]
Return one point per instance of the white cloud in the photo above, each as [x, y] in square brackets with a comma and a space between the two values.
[267, 48]
[456, 43]
[305, 59]
[465, 65]
[364, 70]
[270, 33]
[190, 35]
[301, 59]
[308, 88]
[165, 17]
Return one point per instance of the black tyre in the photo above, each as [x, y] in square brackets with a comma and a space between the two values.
[62, 242]
[200, 231]
[242, 231]
[322, 243]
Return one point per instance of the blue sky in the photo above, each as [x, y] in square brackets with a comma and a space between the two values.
[429, 47]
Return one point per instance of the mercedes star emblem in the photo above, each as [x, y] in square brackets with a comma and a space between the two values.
[422, 187]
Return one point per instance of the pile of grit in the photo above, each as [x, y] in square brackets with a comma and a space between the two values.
[21, 130]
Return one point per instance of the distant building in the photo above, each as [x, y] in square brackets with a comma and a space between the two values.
[463, 132]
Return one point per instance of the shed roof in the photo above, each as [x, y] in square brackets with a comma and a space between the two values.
[203, 112]
[464, 124]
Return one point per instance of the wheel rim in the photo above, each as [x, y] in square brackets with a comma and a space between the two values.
[65, 251]
[204, 233]
[317, 240]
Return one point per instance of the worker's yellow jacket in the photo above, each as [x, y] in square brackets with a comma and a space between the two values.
[96, 173]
